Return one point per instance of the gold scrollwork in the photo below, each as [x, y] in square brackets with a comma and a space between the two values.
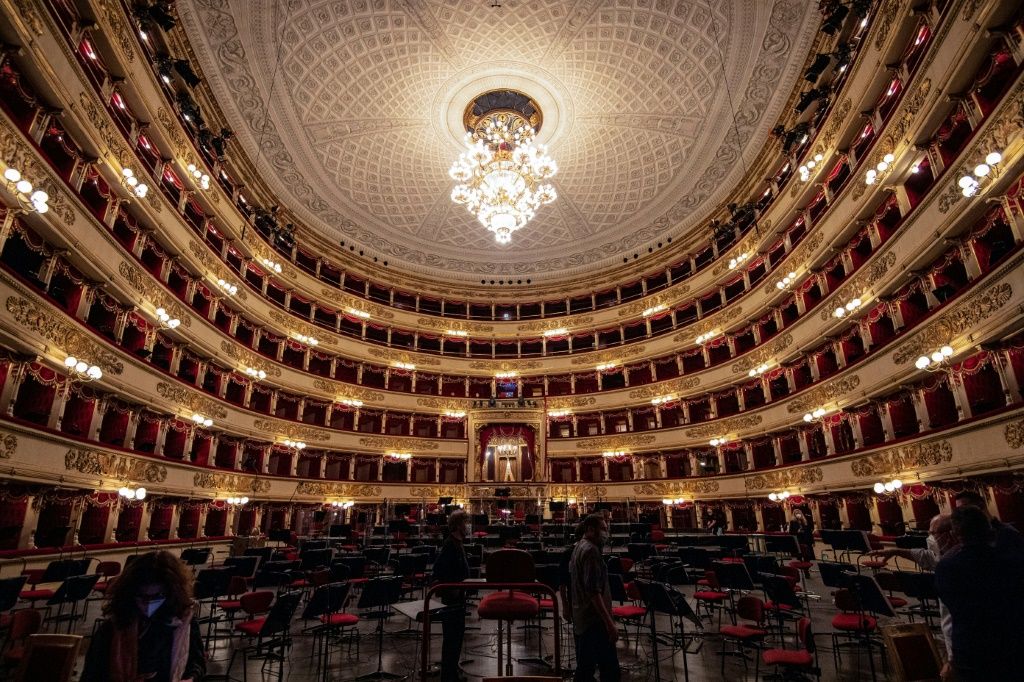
[607, 356]
[816, 397]
[119, 467]
[8, 445]
[149, 290]
[436, 491]
[903, 458]
[726, 426]
[62, 334]
[290, 430]
[452, 404]
[454, 325]
[317, 489]
[397, 443]
[347, 390]
[555, 404]
[589, 492]
[556, 323]
[799, 256]
[784, 478]
[616, 442]
[763, 354]
[244, 357]
[389, 355]
[1014, 434]
[685, 383]
[709, 323]
[191, 400]
[677, 488]
[232, 483]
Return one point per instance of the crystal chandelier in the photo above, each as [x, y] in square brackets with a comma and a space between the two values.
[502, 175]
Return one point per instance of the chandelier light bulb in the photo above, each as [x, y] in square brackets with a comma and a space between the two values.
[784, 495]
[840, 312]
[897, 483]
[888, 487]
[773, 497]
[12, 175]
[882, 166]
[124, 491]
[879, 488]
[993, 158]
[888, 158]
[140, 494]
[965, 182]
[94, 372]
[23, 186]
[81, 366]
[981, 170]
[39, 197]
[70, 361]
[946, 351]
[923, 362]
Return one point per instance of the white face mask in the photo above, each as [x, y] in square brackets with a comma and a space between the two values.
[153, 606]
[467, 530]
[933, 545]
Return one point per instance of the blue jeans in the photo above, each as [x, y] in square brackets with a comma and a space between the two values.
[594, 651]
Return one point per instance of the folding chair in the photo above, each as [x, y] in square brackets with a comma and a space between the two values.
[272, 634]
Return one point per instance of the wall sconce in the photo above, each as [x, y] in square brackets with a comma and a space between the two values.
[200, 420]
[760, 369]
[239, 501]
[805, 169]
[201, 178]
[293, 444]
[738, 260]
[30, 199]
[718, 442]
[786, 282]
[408, 366]
[399, 456]
[843, 311]
[351, 402]
[654, 310]
[871, 176]
[307, 340]
[80, 370]
[558, 331]
[342, 505]
[671, 503]
[506, 375]
[461, 333]
[707, 336]
[361, 314]
[971, 183]
[779, 497]
[936, 361]
[559, 414]
[256, 374]
[132, 184]
[888, 487]
[273, 265]
[664, 400]
[815, 415]
[618, 454]
[455, 414]
[165, 319]
[605, 366]
[227, 287]
[129, 493]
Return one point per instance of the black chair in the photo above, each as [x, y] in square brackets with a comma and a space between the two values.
[326, 605]
[920, 585]
[244, 566]
[265, 554]
[211, 584]
[10, 592]
[73, 590]
[377, 557]
[781, 601]
[273, 638]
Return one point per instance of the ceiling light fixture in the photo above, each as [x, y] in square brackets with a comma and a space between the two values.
[80, 370]
[132, 184]
[502, 173]
[30, 200]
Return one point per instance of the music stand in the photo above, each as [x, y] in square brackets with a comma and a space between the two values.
[195, 556]
[661, 598]
[326, 600]
[920, 585]
[73, 590]
[733, 578]
[379, 594]
[836, 574]
[869, 597]
[10, 592]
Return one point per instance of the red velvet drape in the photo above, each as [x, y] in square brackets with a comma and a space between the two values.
[511, 430]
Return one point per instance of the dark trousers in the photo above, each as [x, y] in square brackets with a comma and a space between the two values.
[453, 627]
[593, 650]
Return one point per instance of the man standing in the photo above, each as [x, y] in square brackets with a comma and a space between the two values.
[981, 582]
[596, 633]
[451, 566]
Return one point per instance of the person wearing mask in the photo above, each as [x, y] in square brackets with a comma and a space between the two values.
[802, 526]
[940, 540]
[148, 633]
[982, 584]
[595, 630]
[451, 566]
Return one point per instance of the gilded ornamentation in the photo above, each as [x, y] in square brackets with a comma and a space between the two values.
[762, 354]
[863, 281]
[797, 257]
[389, 355]
[155, 294]
[684, 383]
[452, 404]
[114, 16]
[292, 325]
[1014, 434]
[397, 443]
[340, 390]
[506, 365]
[344, 300]
[64, 335]
[589, 492]
[784, 478]
[108, 465]
[191, 400]
[903, 119]
[230, 483]
[903, 458]
[290, 430]
[964, 315]
[444, 324]
[887, 15]
[731, 425]
[568, 403]
[615, 355]
[217, 270]
[827, 392]
[8, 445]
[178, 140]
[103, 125]
[715, 321]
[317, 489]
[28, 14]
[667, 298]
[17, 154]
[835, 123]
[248, 359]
[676, 489]
[616, 441]
[436, 491]
[555, 323]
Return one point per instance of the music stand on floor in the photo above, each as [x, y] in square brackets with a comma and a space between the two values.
[379, 594]
[73, 590]
[662, 598]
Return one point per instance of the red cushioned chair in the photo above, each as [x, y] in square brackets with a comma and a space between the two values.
[107, 570]
[658, 538]
[255, 605]
[802, 660]
[745, 635]
[713, 597]
[628, 612]
[270, 631]
[890, 582]
[34, 593]
[233, 604]
[851, 623]
[24, 623]
[506, 606]
[327, 604]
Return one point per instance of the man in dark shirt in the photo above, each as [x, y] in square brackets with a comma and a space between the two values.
[596, 633]
[1006, 535]
[451, 566]
[982, 584]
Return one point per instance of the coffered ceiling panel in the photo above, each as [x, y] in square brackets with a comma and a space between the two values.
[352, 111]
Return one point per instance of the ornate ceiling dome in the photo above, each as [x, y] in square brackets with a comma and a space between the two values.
[354, 111]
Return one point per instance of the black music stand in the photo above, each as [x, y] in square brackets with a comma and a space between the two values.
[195, 556]
[326, 600]
[662, 598]
[10, 592]
[733, 577]
[836, 574]
[870, 598]
[380, 594]
[73, 590]
[920, 585]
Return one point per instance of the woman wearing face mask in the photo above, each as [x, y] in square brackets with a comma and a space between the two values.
[149, 633]
[803, 528]
[451, 566]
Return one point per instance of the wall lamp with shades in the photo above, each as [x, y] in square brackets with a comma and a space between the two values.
[937, 360]
[815, 415]
[201, 178]
[871, 176]
[706, 336]
[617, 454]
[165, 319]
[845, 310]
[738, 260]
[238, 501]
[408, 366]
[342, 505]
[293, 444]
[80, 370]
[970, 183]
[351, 402]
[779, 497]
[256, 374]
[654, 310]
[786, 282]
[558, 331]
[30, 198]
[759, 370]
[356, 312]
[664, 400]
[130, 493]
[718, 442]
[888, 486]
[605, 366]
[506, 375]
[227, 287]
[460, 333]
[273, 265]
[132, 184]
[672, 503]
[559, 414]
[200, 420]
[806, 168]
[305, 339]
[399, 456]
[455, 414]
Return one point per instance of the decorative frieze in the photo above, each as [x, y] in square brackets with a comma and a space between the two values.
[716, 321]
[293, 326]
[117, 467]
[963, 316]
[862, 282]
[616, 355]
[762, 354]
[731, 425]
[191, 400]
[442, 404]
[570, 403]
[317, 489]
[677, 489]
[435, 491]
[397, 444]
[8, 445]
[390, 355]
[679, 384]
[796, 258]
[537, 326]
[495, 366]
[616, 442]
[784, 478]
[142, 283]
[446, 324]
[903, 458]
[290, 430]
[827, 392]
[230, 483]
[46, 322]
[247, 359]
[577, 492]
[1014, 434]
[341, 390]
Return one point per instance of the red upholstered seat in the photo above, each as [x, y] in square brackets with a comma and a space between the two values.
[628, 611]
[101, 587]
[14, 655]
[251, 627]
[898, 602]
[357, 581]
[742, 632]
[801, 565]
[339, 619]
[791, 657]
[710, 596]
[35, 595]
[853, 622]
[704, 582]
[547, 604]
[772, 606]
[508, 606]
[301, 582]
[229, 605]
[732, 560]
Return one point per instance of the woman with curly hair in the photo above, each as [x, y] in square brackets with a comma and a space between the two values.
[149, 633]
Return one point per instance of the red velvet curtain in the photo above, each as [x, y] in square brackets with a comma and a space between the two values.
[12, 519]
[188, 523]
[160, 522]
[128, 522]
[509, 430]
[93, 525]
[216, 522]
